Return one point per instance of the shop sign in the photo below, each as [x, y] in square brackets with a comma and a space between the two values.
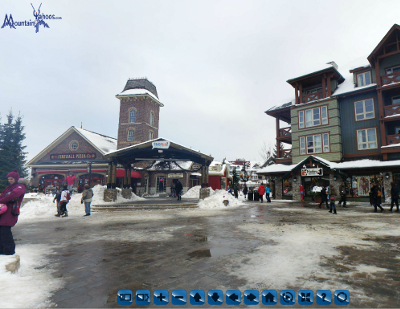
[161, 145]
[175, 175]
[73, 156]
[316, 171]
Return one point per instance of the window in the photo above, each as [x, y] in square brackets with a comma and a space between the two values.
[151, 119]
[161, 184]
[392, 70]
[364, 79]
[132, 116]
[396, 100]
[364, 109]
[313, 117]
[314, 144]
[131, 135]
[150, 135]
[366, 139]
[73, 145]
[315, 90]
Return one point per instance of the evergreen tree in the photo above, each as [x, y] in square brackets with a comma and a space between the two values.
[274, 154]
[12, 155]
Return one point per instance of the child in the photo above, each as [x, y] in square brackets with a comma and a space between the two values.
[332, 206]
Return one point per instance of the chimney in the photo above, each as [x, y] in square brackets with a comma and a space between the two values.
[333, 63]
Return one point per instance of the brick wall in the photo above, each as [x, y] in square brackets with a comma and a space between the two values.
[143, 106]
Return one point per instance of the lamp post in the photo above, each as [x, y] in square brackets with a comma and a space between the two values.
[89, 169]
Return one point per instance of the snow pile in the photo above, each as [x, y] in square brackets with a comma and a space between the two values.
[217, 198]
[193, 192]
[32, 285]
[98, 196]
[316, 189]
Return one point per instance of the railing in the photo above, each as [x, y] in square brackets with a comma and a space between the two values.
[393, 139]
[312, 97]
[390, 78]
[285, 132]
[286, 154]
[392, 110]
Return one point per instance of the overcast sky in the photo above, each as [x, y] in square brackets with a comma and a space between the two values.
[217, 65]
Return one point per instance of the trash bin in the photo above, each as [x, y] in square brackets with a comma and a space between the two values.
[250, 196]
[256, 196]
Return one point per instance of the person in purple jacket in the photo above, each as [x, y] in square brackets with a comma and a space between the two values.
[15, 191]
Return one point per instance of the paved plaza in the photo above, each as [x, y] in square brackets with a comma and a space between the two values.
[279, 245]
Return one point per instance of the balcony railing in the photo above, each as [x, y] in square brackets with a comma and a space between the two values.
[312, 97]
[285, 154]
[390, 78]
[392, 110]
[393, 139]
[285, 132]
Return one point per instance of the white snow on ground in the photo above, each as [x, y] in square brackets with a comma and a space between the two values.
[216, 200]
[42, 207]
[195, 192]
[29, 287]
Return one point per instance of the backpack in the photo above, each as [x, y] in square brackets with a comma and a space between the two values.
[68, 197]
[379, 193]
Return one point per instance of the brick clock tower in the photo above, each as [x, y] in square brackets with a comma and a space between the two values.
[138, 113]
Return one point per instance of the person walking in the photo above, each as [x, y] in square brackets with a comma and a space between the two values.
[65, 197]
[87, 196]
[302, 193]
[261, 192]
[342, 191]
[178, 189]
[245, 191]
[70, 180]
[236, 192]
[375, 196]
[267, 193]
[324, 197]
[57, 197]
[12, 197]
[394, 192]
[332, 205]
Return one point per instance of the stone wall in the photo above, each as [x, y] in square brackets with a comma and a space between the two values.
[110, 195]
[296, 189]
[126, 193]
[387, 186]
[278, 188]
[204, 192]
[334, 185]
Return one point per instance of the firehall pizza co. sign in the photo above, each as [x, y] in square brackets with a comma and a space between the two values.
[73, 156]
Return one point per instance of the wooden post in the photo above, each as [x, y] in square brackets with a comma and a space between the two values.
[109, 177]
[329, 86]
[129, 177]
[114, 175]
[297, 93]
[323, 86]
[300, 93]
[125, 177]
[378, 73]
[278, 146]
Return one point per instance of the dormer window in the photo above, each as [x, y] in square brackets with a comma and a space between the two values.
[364, 79]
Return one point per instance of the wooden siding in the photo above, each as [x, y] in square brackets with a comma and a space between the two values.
[349, 125]
[389, 62]
[333, 128]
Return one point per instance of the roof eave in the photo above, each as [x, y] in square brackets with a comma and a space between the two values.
[121, 96]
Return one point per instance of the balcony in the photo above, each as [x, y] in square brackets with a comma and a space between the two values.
[393, 139]
[390, 78]
[284, 156]
[312, 97]
[285, 134]
[392, 110]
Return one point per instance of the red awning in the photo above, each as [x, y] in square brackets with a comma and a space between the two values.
[121, 173]
[67, 171]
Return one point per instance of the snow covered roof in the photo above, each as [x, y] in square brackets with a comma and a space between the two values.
[135, 92]
[104, 143]
[287, 104]
[186, 165]
[276, 168]
[217, 170]
[319, 68]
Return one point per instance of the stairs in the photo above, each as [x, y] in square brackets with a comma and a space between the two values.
[139, 206]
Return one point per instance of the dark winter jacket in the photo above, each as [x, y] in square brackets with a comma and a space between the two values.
[374, 192]
[11, 193]
[342, 190]
[245, 190]
[324, 195]
[178, 187]
[394, 192]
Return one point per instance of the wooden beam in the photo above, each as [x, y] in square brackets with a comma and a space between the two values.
[297, 94]
[388, 54]
[329, 86]
[323, 86]
[377, 73]
[300, 93]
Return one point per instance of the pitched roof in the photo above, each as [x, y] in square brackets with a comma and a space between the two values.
[381, 43]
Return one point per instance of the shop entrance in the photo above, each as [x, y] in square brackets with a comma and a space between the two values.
[310, 182]
[161, 185]
[50, 180]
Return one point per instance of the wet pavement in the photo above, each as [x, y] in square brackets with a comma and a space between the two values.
[194, 249]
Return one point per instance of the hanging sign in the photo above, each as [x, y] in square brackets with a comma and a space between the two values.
[161, 145]
[73, 156]
[175, 175]
[316, 171]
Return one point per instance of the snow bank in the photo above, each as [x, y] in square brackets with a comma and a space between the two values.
[43, 207]
[98, 192]
[217, 198]
[195, 192]
[32, 285]
[316, 189]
